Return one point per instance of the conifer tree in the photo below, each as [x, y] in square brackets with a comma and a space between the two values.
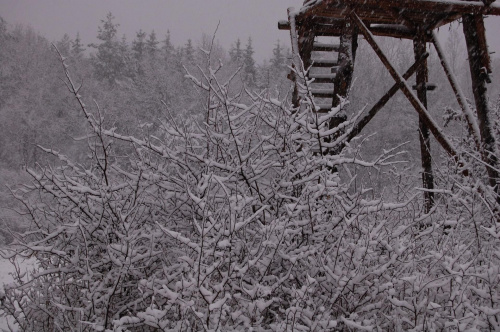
[110, 60]
[152, 44]
[3, 28]
[278, 59]
[77, 47]
[64, 45]
[167, 47]
[189, 51]
[236, 52]
[139, 45]
[125, 56]
[249, 62]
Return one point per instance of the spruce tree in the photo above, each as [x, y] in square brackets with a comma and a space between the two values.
[139, 45]
[152, 44]
[278, 59]
[249, 62]
[77, 47]
[167, 47]
[189, 51]
[109, 61]
[125, 56]
[64, 45]
[236, 53]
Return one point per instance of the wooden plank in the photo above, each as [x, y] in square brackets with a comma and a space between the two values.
[322, 47]
[322, 63]
[322, 78]
[322, 93]
[405, 88]
[324, 108]
[329, 33]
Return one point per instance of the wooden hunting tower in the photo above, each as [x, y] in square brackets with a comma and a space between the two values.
[405, 19]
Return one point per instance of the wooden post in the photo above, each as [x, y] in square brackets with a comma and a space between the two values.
[302, 38]
[469, 116]
[306, 43]
[419, 47]
[347, 53]
[479, 66]
[343, 79]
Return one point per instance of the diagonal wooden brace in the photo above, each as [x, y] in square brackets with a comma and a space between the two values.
[385, 98]
[405, 88]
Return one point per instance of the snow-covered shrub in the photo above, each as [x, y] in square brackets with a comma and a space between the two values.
[241, 222]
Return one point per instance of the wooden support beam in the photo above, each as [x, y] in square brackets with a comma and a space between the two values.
[419, 47]
[306, 41]
[296, 61]
[482, 45]
[346, 56]
[385, 98]
[382, 30]
[392, 30]
[476, 48]
[469, 116]
[405, 88]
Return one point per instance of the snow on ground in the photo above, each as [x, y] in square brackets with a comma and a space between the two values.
[6, 268]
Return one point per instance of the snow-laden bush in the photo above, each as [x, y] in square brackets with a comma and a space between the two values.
[242, 222]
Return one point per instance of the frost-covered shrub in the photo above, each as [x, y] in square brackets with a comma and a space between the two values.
[241, 222]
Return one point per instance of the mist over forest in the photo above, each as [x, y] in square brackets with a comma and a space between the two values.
[163, 187]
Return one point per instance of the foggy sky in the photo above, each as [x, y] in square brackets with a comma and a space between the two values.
[184, 18]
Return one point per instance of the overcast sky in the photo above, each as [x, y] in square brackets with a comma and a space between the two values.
[184, 18]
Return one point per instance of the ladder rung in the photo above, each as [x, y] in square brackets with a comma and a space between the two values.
[324, 108]
[333, 33]
[429, 86]
[322, 93]
[325, 47]
[324, 63]
[283, 25]
[322, 78]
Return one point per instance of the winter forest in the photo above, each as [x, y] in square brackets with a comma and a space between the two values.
[148, 186]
